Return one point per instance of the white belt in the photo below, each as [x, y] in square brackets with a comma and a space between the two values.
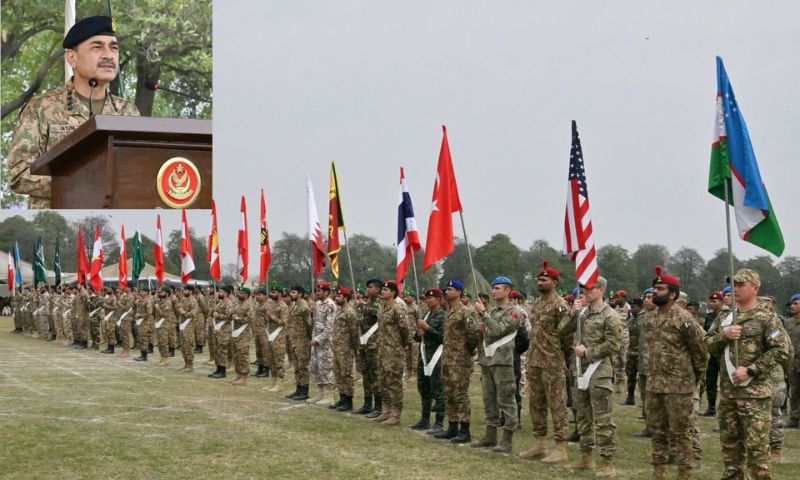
[239, 330]
[94, 311]
[35, 312]
[158, 323]
[119, 322]
[184, 323]
[488, 350]
[427, 367]
[272, 336]
[139, 321]
[218, 326]
[66, 312]
[108, 316]
[363, 338]
[583, 380]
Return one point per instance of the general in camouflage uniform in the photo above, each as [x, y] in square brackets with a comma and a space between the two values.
[367, 360]
[545, 369]
[677, 360]
[222, 330]
[48, 118]
[187, 316]
[298, 329]
[599, 340]
[498, 328]
[277, 316]
[430, 334]
[242, 335]
[321, 365]
[392, 334]
[143, 319]
[345, 348]
[744, 407]
[461, 337]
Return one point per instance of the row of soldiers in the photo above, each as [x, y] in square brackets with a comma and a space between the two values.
[569, 348]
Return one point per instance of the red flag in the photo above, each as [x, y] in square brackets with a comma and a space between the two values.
[83, 261]
[158, 252]
[11, 273]
[314, 231]
[212, 253]
[335, 222]
[187, 259]
[123, 262]
[444, 203]
[266, 255]
[96, 267]
[241, 243]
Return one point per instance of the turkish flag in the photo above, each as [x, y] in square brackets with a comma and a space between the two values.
[444, 203]
[83, 261]
[158, 252]
[96, 268]
[123, 262]
[241, 243]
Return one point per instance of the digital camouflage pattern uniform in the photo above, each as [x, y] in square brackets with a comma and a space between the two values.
[277, 316]
[601, 333]
[345, 348]
[392, 335]
[619, 360]
[368, 354]
[299, 331]
[677, 362]
[321, 365]
[42, 123]
[243, 314]
[460, 338]
[545, 369]
[744, 411]
[497, 371]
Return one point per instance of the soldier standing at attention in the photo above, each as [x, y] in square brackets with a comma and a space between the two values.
[745, 386]
[620, 304]
[392, 336]
[712, 371]
[165, 319]
[546, 375]
[81, 315]
[498, 328]
[599, 340]
[632, 362]
[143, 317]
[345, 349]
[90, 48]
[429, 334]
[126, 318]
[262, 306]
[277, 315]
[187, 315]
[321, 365]
[299, 331]
[460, 340]
[222, 331]
[109, 303]
[367, 361]
[200, 320]
[677, 361]
[241, 335]
[793, 328]
[412, 315]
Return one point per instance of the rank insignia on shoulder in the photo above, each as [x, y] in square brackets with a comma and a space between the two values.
[774, 333]
[688, 323]
[514, 314]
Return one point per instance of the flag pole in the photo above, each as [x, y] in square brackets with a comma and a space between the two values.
[349, 259]
[414, 268]
[469, 254]
[730, 260]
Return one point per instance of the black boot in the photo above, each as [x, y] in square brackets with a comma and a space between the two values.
[296, 391]
[338, 403]
[171, 352]
[75, 343]
[150, 348]
[266, 370]
[376, 412]
[302, 394]
[451, 432]
[347, 405]
[83, 345]
[463, 434]
[424, 422]
[219, 373]
[437, 425]
[260, 373]
[197, 349]
[367, 407]
[628, 401]
[142, 357]
[16, 330]
[51, 337]
[710, 412]
[110, 349]
[574, 436]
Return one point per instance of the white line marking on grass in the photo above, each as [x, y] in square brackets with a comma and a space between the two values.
[22, 384]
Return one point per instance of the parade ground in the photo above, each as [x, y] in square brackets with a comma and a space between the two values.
[69, 414]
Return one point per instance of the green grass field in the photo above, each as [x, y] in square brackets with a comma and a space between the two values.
[67, 414]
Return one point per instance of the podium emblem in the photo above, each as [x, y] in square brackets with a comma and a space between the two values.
[178, 182]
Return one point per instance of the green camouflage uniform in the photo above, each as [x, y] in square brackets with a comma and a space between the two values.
[677, 362]
[277, 316]
[345, 348]
[460, 339]
[744, 411]
[243, 314]
[187, 311]
[42, 123]
[200, 323]
[126, 302]
[498, 383]
[412, 314]
[392, 335]
[164, 310]
[545, 369]
[109, 304]
[601, 333]
[27, 310]
[792, 326]
[143, 313]
[368, 354]
[430, 387]
[222, 330]
[298, 329]
[260, 331]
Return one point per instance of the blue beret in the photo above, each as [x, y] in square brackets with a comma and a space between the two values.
[501, 280]
[794, 298]
[87, 28]
[457, 285]
[575, 291]
[727, 289]
[648, 290]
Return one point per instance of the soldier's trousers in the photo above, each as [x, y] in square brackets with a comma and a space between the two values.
[241, 352]
[43, 324]
[712, 380]
[369, 371]
[172, 333]
[83, 328]
[794, 394]
[343, 359]
[94, 325]
[776, 425]
[301, 353]
[411, 352]
[276, 353]
[187, 343]
[593, 408]
[17, 319]
[499, 388]
[109, 330]
[547, 393]
[58, 320]
[222, 337]
[321, 365]
[199, 327]
[430, 389]
[390, 379]
[163, 339]
[69, 328]
[643, 394]
[618, 360]
[670, 421]
[455, 386]
[744, 432]
[145, 333]
[632, 372]
[260, 335]
[211, 339]
[27, 321]
[51, 325]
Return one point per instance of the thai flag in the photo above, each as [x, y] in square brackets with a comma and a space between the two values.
[407, 233]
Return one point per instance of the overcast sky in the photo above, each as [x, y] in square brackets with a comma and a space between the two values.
[369, 84]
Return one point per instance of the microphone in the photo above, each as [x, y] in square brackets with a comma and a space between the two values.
[92, 84]
[153, 85]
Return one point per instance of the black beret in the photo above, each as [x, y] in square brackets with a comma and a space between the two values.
[299, 289]
[228, 289]
[87, 28]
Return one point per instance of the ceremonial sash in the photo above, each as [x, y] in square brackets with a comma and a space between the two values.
[239, 330]
[184, 323]
[729, 366]
[105, 319]
[583, 380]
[25, 307]
[36, 312]
[428, 368]
[363, 338]
[119, 322]
[66, 312]
[139, 321]
[218, 326]
[488, 350]
[272, 336]
[95, 311]
[158, 323]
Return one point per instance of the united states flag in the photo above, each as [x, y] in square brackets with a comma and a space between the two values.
[578, 240]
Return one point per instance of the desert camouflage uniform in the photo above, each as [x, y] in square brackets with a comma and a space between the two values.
[260, 331]
[545, 370]
[601, 331]
[222, 330]
[460, 338]
[243, 314]
[67, 303]
[620, 358]
[42, 123]
[345, 348]
[144, 318]
[16, 305]
[298, 328]
[58, 315]
[80, 315]
[744, 411]
[321, 365]
[277, 316]
[368, 354]
[43, 315]
[498, 384]
[392, 335]
[525, 320]
[164, 310]
[187, 311]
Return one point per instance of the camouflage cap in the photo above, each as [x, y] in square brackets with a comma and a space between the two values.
[746, 275]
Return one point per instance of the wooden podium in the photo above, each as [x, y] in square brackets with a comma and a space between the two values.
[115, 162]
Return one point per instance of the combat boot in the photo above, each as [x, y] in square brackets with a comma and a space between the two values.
[52, 337]
[558, 454]
[126, 352]
[775, 455]
[451, 432]
[709, 412]
[82, 345]
[278, 385]
[260, 371]
[376, 410]
[536, 452]
[646, 433]
[293, 394]
[585, 462]
[505, 443]
[347, 404]
[606, 469]
[574, 437]
[171, 352]
[489, 438]
[463, 434]
[393, 419]
[242, 380]
[219, 373]
[437, 425]
[142, 357]
[110, 349]
[384, 415]
[326, 396]
[367, 407]
[423, 423]
[198, 349]
[150, 348]
[659, 472]
[302, 394]
[792, 423]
